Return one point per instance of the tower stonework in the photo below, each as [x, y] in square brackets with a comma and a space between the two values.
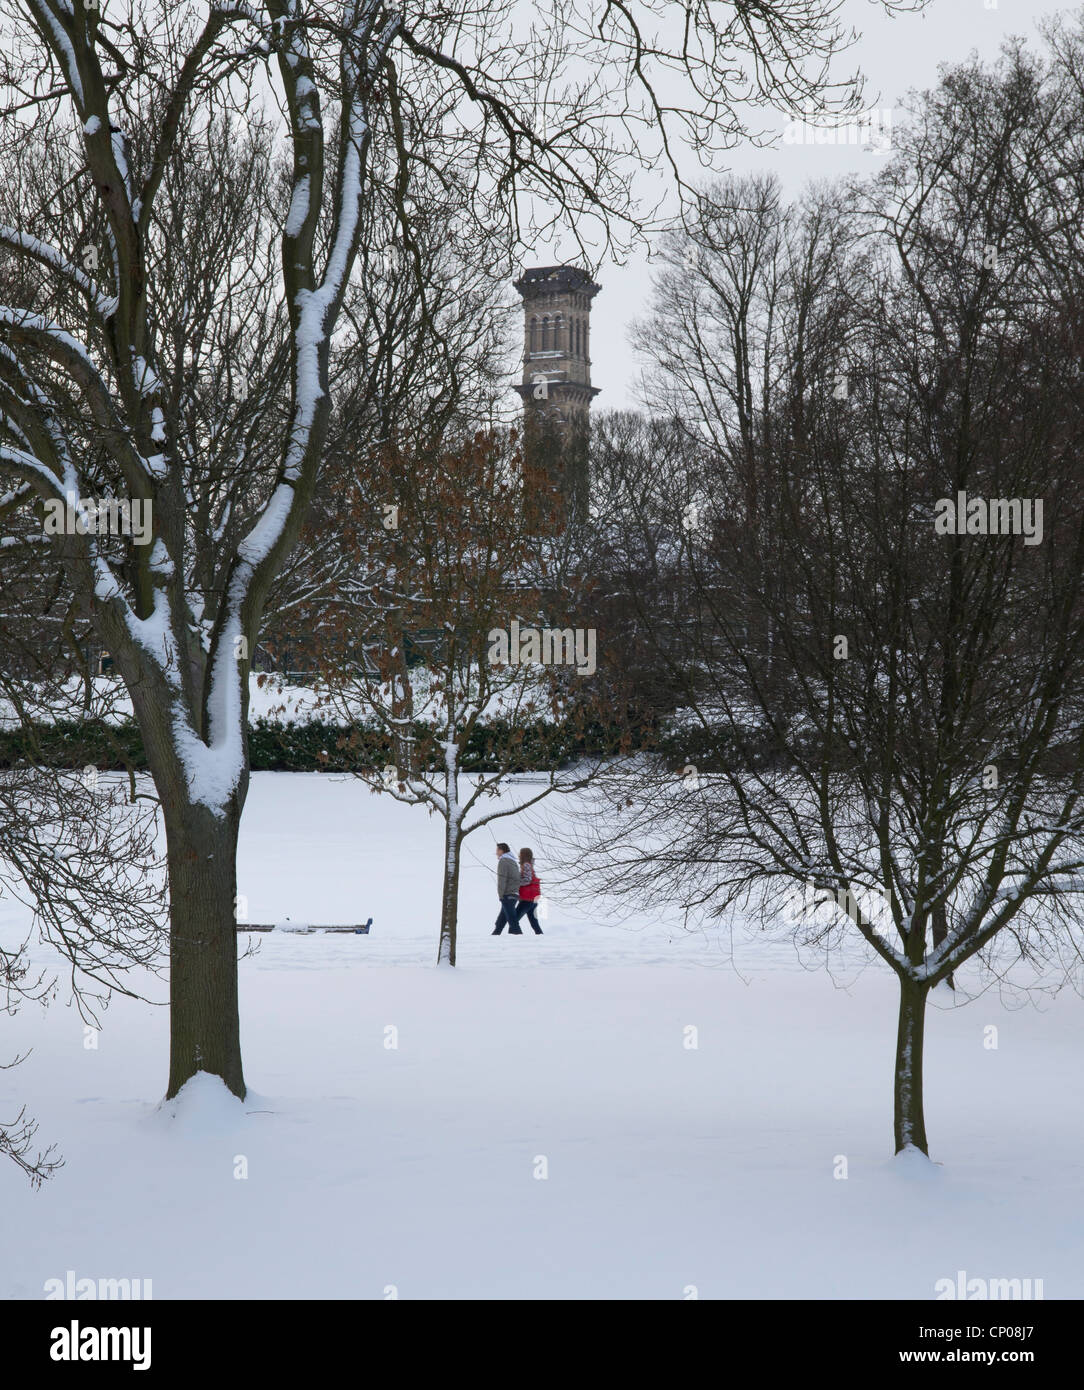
[557, 341]
[556, 388]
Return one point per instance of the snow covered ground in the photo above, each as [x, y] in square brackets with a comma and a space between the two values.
[270, 697]
[541, 1127]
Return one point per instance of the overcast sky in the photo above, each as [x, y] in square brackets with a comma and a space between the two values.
[896, 54]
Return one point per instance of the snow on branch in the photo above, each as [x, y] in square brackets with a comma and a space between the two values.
[30, 463]
[51, 335]
[105, 305]
[72, 354]
[48, 17]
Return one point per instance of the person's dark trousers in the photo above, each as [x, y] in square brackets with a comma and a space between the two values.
[507, 916]
[527, 905]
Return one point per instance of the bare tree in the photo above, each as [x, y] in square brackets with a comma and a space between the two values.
[650, 488]
[468, 579]
[81, 857]
[893, 724]
[78, 851]
[425, 360]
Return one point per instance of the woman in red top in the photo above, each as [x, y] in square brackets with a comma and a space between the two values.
[530, 887]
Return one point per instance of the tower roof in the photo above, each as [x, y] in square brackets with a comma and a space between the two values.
[542, 278]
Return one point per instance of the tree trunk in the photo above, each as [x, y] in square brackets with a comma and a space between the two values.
[449, 908]
[910, 1116]
[939, 923]
[205, 1032]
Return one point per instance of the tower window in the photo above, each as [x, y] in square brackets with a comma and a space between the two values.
[533, 339]
[546, 333]
[557, 332]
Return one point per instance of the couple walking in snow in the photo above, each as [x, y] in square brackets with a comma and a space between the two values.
[518, 888]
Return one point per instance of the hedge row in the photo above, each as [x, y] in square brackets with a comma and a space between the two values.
[275, 747]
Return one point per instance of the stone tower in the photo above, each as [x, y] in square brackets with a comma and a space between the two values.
[557, 340]
[556, 388]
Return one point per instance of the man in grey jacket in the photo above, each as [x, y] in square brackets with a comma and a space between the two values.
[507, 891]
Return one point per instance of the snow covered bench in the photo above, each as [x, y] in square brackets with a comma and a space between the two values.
[304, 928]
